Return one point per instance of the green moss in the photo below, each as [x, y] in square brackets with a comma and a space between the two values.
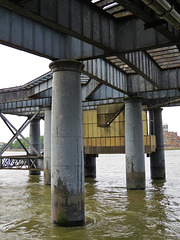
[62, 220]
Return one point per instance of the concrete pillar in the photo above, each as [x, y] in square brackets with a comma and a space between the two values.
[47, 146]
[90, 165]
[134, 144]
[34, 139]
[67, 166]
[157, 159]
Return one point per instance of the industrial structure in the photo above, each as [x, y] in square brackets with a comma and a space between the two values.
[171, 139]
[110, 60]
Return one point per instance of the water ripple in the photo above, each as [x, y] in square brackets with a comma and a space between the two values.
[112, 212]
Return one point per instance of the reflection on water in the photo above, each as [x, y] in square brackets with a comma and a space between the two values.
[112, 212]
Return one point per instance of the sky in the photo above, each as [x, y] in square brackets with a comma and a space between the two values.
[18, 67]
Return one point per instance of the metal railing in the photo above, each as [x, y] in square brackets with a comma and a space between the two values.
[25, 162]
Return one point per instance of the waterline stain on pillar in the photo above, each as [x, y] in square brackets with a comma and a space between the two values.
[134, 144]
[157, 159]
[67, 157]
[70, 207]
[34, 139]
[47, 146]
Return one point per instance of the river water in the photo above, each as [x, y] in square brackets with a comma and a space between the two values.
[112, 212]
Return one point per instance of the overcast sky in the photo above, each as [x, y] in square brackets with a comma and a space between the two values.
[18, 68]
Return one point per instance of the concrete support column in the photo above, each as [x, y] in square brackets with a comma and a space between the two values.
[67, 167]
[134, 144]
[47, 146]
[34, 139]
[90, 165]
[157, 159]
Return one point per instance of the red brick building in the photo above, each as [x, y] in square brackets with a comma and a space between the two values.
[171, 139]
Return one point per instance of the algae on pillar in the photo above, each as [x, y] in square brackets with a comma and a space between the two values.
[134, 144]
[67, 167]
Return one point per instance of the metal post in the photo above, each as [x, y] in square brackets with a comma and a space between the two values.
[47, 146]
[90, 165]
[134, 144]
[157, 158]
[34, 139]
[67, 167]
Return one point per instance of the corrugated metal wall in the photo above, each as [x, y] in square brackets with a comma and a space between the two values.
[104, 130]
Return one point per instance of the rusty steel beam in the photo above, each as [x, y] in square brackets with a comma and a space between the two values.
[106, 73]
[144, 66]
[70, 29]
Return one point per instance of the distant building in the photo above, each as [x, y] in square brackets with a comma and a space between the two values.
[171, 139]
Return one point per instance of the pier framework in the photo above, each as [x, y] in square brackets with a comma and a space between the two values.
[123, 51]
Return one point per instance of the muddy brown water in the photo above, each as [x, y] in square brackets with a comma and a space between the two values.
[112, 212]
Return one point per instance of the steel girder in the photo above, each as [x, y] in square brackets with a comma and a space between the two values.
[40, 27]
